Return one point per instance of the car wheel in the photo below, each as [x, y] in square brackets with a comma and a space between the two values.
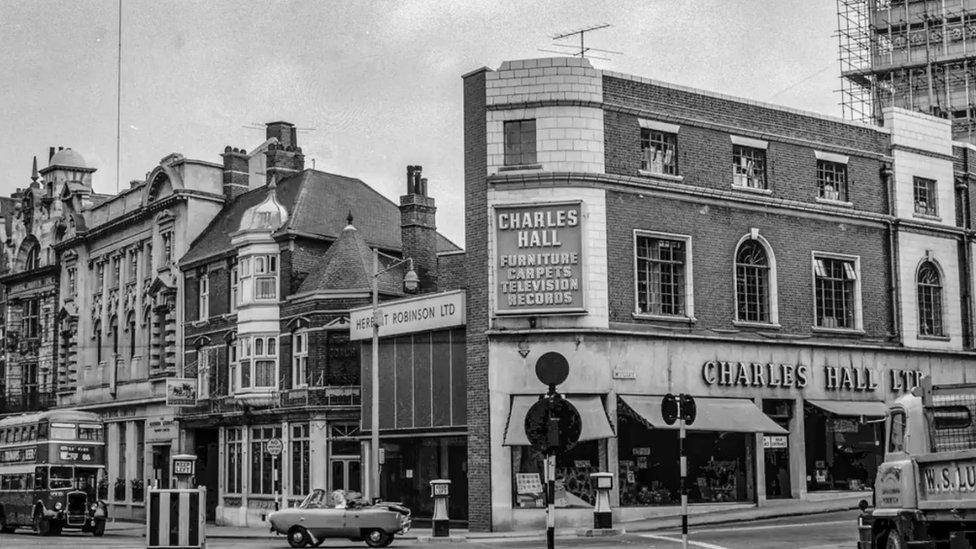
[298, 537]
[98, 529]
[378, 538]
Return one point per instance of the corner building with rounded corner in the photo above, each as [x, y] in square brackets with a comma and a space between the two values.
[791, 271]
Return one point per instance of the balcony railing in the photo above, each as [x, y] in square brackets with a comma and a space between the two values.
[330, 395]
[13, 402]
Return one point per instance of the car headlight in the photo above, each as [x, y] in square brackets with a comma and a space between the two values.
[94, 507]
[57, 506]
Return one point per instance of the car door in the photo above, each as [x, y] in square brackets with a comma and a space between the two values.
[324, 522]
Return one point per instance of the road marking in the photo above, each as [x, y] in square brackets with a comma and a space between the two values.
[769, 527]
[701, 544]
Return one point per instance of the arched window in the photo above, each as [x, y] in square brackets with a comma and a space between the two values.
[930, 300]
[752, 283]
[114, 334]
[130, 325]
[98, 341]
[32, 261]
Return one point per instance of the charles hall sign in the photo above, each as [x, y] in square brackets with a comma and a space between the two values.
[798, 376]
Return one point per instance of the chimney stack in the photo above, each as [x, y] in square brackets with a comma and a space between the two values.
[418, 232]
[285, 157]
[236, 172]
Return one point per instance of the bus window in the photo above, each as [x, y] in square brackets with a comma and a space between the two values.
[40, 478]
[60, 477]
[16, 434]
[32, 433]
[90, 432]
[86, 479]
[42, 430]
[62, 431]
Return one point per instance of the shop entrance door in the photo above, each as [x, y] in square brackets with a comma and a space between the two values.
[346, 474]
[160, 464]
[208, 460]
[776, 450]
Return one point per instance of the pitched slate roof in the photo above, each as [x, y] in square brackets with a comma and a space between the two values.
[348, 265]
[318, 204]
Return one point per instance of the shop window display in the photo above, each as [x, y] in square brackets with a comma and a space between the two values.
[574, 488]
[719, 465]
[843, 453]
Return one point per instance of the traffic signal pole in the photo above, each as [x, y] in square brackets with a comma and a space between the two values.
[684, 483]
[551, 500]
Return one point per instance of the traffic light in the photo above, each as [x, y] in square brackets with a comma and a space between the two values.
[688, 409]
[669, 409]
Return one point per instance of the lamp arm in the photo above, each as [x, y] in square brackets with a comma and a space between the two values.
[395, 265]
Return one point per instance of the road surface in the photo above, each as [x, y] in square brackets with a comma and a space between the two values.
[822, 531]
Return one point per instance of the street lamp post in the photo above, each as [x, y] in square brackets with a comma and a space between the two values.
[410, 283]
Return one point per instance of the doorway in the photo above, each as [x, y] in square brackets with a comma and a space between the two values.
[777, 451]
[206, 449]
[160, 464]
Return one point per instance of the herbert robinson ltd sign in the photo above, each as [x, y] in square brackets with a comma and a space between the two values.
[406, 316]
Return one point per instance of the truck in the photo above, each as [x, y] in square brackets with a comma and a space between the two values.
[925, 490]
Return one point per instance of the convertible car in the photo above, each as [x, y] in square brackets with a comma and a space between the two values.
[343, 515]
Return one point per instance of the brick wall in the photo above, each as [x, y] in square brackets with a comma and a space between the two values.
[450, 272]
[705, 153]
[476, 246]
[715, 231]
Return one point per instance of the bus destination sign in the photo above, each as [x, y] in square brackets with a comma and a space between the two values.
[76, 453]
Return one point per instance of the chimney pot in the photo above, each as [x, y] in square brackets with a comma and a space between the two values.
[50, 154]
[423, 186]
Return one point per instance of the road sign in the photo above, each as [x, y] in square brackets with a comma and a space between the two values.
[552, 424]
[552, 368]
[669, 409]
[274, 447]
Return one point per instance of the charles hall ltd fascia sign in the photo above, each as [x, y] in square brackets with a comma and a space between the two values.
[798, 376]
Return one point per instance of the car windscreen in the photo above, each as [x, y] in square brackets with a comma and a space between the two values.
[60, 478]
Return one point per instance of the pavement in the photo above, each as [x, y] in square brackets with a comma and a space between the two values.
[771, 510]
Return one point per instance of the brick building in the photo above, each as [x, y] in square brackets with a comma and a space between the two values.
[790, 270]
[31, 281]
[270, 283]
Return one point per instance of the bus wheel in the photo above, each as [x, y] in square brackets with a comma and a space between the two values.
[4, 529]
[98, 530]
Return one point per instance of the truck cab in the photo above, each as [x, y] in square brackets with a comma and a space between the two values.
[925, 490]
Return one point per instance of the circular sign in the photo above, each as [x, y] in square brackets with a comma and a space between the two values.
[274, 447]
[552, 368]
[552, 424]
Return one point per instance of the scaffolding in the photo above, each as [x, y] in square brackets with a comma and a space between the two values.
[913, 54]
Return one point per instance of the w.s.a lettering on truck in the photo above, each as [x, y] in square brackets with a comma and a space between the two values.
[925, 491]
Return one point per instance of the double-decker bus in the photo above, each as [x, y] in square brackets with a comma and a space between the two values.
[50, 466]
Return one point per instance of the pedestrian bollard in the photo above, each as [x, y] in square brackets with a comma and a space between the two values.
[440, 490]
[602, 517]
[176, 518]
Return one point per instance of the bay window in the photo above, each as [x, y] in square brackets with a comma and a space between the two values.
[257, 277]
[258, 363]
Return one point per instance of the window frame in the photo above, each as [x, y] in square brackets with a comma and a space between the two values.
[234, 290]
[248, 357]
[203, 294]
[931, 187]
[740, 146]
[941, 334]
[234, 476]
[299, 361]
[647, 133]
[772, 297]
[30, 318]
[523, 157]
[857, 306]
[260, 456]
[826, 166]
[890, 446]
[203, 373]
[689, 290]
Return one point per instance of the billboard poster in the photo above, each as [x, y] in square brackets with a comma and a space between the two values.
[538, 260]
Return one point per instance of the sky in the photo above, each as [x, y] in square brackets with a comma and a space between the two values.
[375, 85]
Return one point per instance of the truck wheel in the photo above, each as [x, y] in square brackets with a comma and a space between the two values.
[378, 538]
[894, 540]
[298, 537]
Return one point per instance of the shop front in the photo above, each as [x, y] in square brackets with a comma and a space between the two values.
[423, 411]
[774, 421]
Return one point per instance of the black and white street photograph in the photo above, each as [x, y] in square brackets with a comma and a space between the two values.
[661, 274]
